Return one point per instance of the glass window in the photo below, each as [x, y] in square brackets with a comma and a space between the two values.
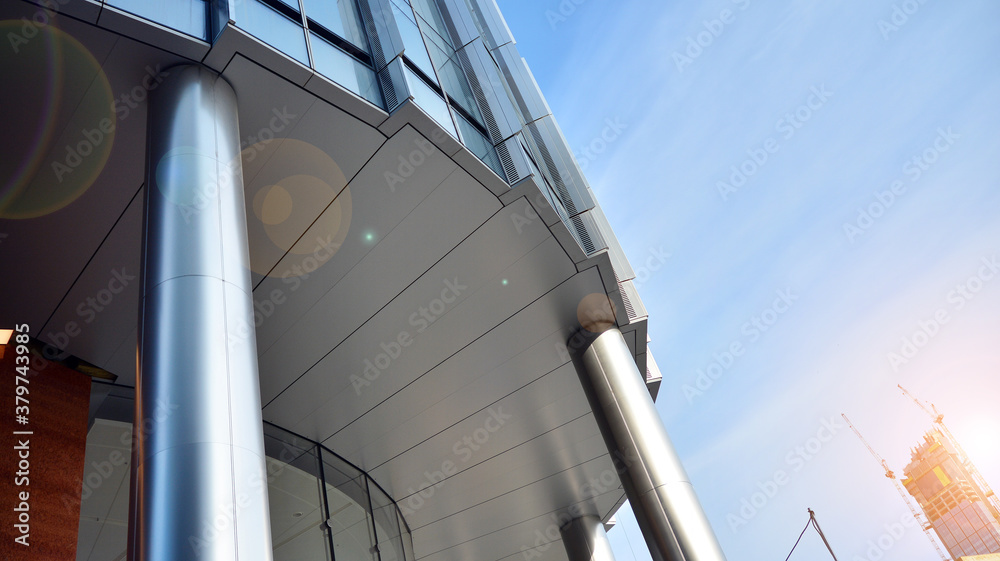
[186, 16]
[340, 17]
[340, 67]
[429, 100]
[272, 27]
[350, 522]
[428, 11]
[478, 144]
[385, 514]
[295, 499]
[413, 42]
[458, 90]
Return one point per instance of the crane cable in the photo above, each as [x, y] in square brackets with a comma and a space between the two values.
[812, 522]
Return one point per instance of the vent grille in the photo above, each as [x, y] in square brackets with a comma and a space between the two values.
[583, 235]
[388, 89]
[474, 82]
[550, 166]
[376, 46]
[629, 308]
[508, 163]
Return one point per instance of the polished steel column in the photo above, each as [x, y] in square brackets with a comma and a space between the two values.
[199, 488]
[585, 540]
[659, 491]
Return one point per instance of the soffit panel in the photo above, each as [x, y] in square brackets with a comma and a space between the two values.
[373, 209]
[530, 538]
[329, 399]
[67, 237]
[550, 455]
[549, 402]
[580, 485]
[407, 251]
[514, 353]
[104, 301]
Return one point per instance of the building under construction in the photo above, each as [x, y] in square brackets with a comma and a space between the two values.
[957, 503]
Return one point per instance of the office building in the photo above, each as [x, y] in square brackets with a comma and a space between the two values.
[955, 505]
[336, 285]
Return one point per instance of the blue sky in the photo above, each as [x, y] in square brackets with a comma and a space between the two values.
[869, 89]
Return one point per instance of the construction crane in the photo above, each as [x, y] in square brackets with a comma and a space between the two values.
[992, 501]
[924, 524]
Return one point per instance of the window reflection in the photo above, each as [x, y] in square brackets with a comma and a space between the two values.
[339, 16]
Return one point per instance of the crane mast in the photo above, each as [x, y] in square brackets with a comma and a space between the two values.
[924, 524]
[992, 501]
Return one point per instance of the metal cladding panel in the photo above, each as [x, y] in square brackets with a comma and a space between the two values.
[558, 165]
[673, 522]
[458, 17]
[383, 33]
[318, 405]
[515, 353]
[586, 232]
[515, 162]
[494, 27]
[623, 269]
[392, 80]
[299, 333]
[558, 451]
[502, 118]
[535, 538]
[524, 89]
[633, 303]
[586, 540]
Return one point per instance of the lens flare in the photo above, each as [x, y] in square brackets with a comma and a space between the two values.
[301, 208]
[68, 144]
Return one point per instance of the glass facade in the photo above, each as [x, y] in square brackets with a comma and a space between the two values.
[345, 70]
[187, 16]
[274, 26]
[479, 90]
[322, 508]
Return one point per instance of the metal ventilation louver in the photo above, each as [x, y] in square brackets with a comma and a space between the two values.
[508, 163]
[583, 235]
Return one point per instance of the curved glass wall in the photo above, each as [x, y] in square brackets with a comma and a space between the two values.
[322, 508]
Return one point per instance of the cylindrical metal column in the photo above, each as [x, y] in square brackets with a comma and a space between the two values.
[199, 487]
[669, 515]
[586, 540]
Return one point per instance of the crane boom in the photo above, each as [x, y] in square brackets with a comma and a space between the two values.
[992, 501]
[924, 524]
